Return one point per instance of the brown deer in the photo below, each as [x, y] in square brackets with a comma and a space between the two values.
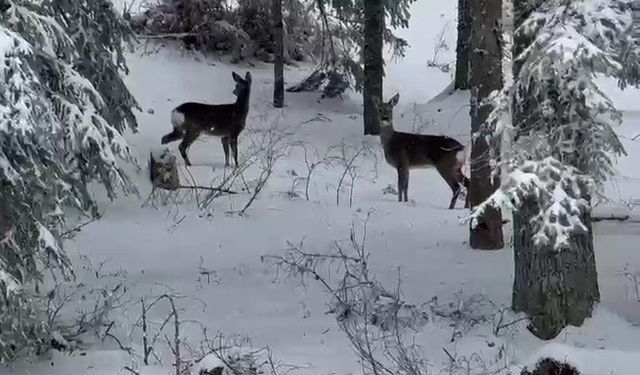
[405, 151]
[226, 121]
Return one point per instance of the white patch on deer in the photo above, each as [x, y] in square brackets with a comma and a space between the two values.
[462, 158]
[177, 119]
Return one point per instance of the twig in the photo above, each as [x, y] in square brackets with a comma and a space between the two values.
[452, 358]
[165, 36]
[262, 181]
[506, 325]
[67, 234]
[347, 169]
[207, 188]
[126, 349]
[145, 342]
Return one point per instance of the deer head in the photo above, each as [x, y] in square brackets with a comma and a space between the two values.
[385, 111]
[242, 84]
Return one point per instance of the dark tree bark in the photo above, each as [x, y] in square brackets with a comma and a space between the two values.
[463, 45]
[5, 219]
[486, 76]
[555, 288]
[278, 65]
[373, 63]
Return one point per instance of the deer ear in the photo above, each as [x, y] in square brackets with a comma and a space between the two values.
[394, 100]
[247, 77]
[236, 77]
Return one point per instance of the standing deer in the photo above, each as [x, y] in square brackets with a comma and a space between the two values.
[405, 151]
[226, 121]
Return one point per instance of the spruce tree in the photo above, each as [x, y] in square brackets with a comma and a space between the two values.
[564, 148]
[63, 112]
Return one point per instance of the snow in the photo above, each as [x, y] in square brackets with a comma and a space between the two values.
[212, 259]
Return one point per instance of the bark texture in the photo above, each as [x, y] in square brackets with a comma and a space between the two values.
[373, 63]
[278, 64]
[486, 76]
[5, 220]
[463, 45]
[554, 288]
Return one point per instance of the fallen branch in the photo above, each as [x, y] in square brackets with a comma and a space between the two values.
[166, 36]
[68, 234]
[596, 219]
[208, 188]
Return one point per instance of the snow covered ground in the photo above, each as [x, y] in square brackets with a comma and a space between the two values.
[169, 246]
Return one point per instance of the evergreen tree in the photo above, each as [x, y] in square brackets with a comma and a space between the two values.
[563, 150]
[63, 112]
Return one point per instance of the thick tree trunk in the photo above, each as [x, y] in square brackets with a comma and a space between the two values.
[278, 65]
[463, 45]
[486, 76]
[555, 288]
[373, 63]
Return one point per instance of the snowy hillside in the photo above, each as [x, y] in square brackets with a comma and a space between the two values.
[211, 258]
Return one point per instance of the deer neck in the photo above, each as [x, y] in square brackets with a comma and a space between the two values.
[242, 102]
[386, 131]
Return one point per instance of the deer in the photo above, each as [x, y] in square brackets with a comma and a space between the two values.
[225, 121]
[406, 151]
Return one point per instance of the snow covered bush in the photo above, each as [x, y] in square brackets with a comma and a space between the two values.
[565, 149]
[63, 111]
[378, 323]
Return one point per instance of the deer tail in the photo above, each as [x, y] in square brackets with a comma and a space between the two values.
[462, 166]
[171, 137]
[177, 121]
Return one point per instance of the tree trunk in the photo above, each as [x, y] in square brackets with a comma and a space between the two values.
[6, 223]
[278, 64]
[486, 76]
[463, 45]
[555, 288]
[373, 63]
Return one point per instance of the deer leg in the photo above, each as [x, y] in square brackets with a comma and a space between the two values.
[234, 149]
[187, 141]
[464, 181]
[453, 183]
[456, 191]
[225, 147]
[400, 184]
[403, 183]
[406, 185]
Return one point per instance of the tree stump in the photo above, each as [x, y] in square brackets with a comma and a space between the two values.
[163, 169]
